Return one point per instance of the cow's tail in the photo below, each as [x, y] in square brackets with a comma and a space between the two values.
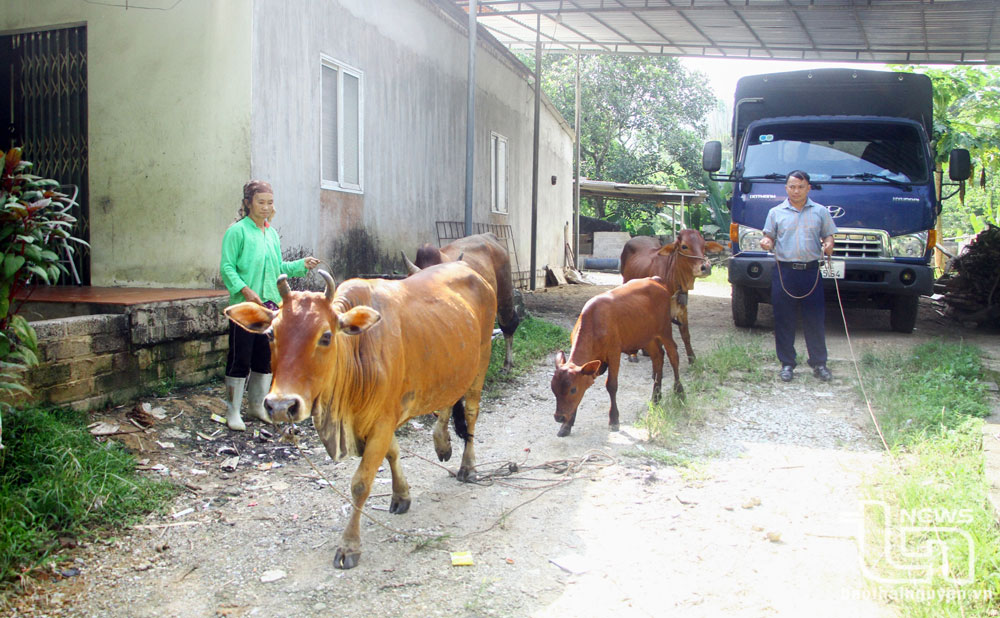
[458, 417]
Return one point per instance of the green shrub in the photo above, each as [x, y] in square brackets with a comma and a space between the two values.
[35, 229]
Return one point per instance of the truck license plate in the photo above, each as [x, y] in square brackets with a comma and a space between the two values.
[833, 269]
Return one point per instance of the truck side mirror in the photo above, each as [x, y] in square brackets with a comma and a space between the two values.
[711, 156]
[959, 164]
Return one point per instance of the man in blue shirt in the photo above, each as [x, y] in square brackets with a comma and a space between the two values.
[800, 232]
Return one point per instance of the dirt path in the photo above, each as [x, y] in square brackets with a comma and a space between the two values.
[759, 521]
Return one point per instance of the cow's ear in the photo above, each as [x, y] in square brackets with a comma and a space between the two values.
[358, 320]
[560, 359]
[713, 247]
[591, 368]
[666, 249]
[251, 316]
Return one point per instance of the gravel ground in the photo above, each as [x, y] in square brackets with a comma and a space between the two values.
[758, 518]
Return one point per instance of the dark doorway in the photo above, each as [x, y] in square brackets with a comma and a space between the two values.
[44, 110]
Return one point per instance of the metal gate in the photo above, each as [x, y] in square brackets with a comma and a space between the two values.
[46, 113]
[448, 231]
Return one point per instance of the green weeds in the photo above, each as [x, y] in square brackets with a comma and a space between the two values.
[56, 481]
[934, 388]
[739, 359]
[534, 339]
[948, 561]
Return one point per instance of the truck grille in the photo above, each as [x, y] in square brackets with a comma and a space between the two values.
[870, 244]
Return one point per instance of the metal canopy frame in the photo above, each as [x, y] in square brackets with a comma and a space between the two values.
[878, 31]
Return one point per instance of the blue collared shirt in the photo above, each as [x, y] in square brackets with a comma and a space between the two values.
[798, 236]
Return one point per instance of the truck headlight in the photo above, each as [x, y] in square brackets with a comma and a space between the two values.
[909, 245]
[750, 239]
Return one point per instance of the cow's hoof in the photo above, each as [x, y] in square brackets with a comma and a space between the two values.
[467, 475]
[399, 505]
[564, 431]
[444, 454]
[692, 359]
[345, 559]
[613, 427]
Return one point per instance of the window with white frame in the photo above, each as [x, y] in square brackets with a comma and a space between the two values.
[498, 173]
[341, 126]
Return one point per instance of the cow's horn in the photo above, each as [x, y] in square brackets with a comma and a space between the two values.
[283, 288]
[410, 266]
[331, 285]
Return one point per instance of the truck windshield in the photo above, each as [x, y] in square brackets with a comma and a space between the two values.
[860, 152]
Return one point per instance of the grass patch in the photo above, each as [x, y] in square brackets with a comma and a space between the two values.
[934, 388]
[739, 358]
[719, 276]
[56, 480]
[941, 489]
[534, 339]
[929, 401]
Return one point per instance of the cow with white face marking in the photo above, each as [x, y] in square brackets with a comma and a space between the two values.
[363, 358]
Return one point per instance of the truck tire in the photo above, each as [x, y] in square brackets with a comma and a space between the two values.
[903, 313]
[744, 306]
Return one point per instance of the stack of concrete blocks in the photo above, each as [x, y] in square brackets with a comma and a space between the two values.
[607, 250]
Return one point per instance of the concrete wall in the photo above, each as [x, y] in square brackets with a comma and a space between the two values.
[88, 362]
[169, 129]
[413, 54]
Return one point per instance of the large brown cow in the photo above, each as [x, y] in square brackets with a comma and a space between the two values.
[489, 258]
[626, 319]
[678, 264]
[364, 360]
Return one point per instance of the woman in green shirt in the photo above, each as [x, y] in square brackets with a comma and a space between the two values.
[251, 263]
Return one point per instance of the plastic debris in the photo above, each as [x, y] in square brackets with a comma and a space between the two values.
[230, 464]
[218, 419]
[461, 558]
[105, 429]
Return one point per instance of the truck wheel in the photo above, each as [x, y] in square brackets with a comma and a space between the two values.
[744, 306]
[903, 313]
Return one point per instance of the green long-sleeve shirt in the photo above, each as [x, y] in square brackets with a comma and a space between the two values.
[251, 257]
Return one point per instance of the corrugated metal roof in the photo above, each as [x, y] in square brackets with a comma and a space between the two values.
[881, 31]
[642, 193]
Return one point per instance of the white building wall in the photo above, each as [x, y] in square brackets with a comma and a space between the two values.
[413, 54]
[169, 126]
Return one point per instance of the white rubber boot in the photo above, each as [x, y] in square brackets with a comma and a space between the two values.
[234, 399]
[257, 389]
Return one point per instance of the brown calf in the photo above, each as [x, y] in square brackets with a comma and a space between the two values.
[364, 360]
[678, 264]
[626, 319]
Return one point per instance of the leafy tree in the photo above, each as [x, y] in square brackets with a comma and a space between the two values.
[967, 115]
[643, 121]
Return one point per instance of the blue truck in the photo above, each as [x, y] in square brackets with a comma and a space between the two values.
[864, 139]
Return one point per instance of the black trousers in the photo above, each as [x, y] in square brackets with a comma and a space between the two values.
[797, 282]
[247, 351]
